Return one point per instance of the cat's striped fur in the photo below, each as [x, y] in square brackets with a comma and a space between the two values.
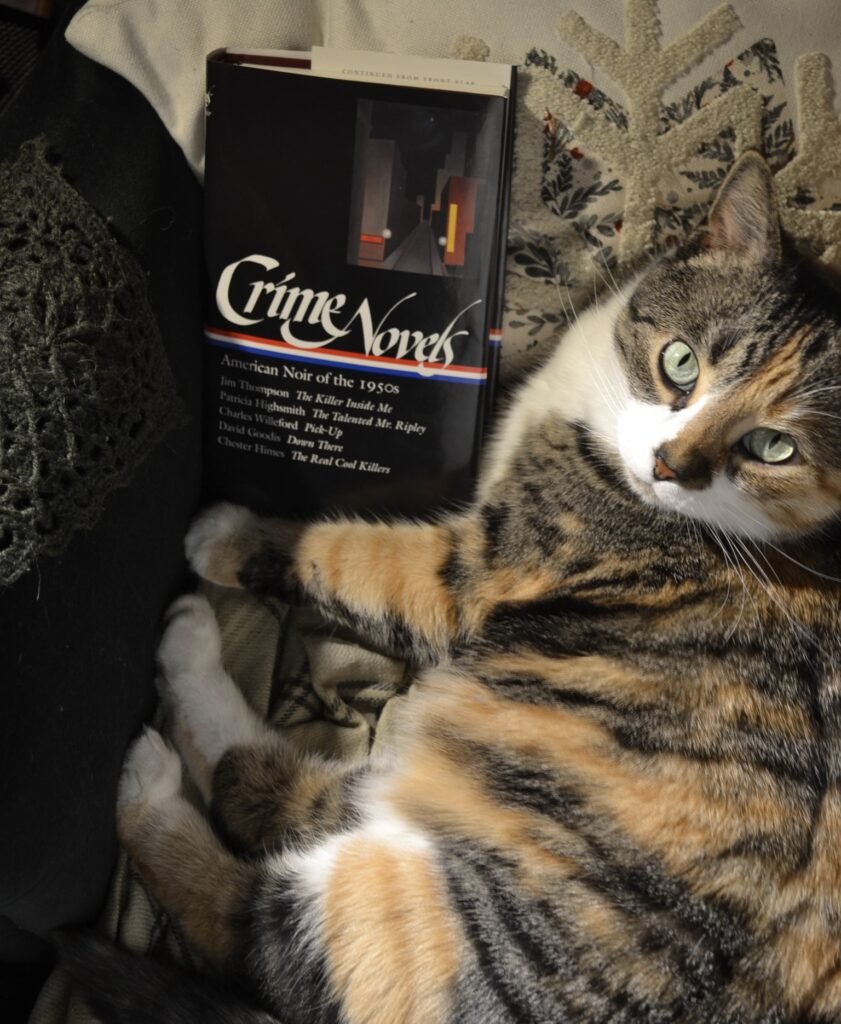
[614, 795]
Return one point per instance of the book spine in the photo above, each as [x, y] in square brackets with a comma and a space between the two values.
[497, 301]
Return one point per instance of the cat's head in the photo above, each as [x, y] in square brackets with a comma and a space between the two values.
[731, 351]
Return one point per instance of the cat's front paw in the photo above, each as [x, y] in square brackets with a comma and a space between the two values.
[151, 773]
[220, 541]
[191, 643]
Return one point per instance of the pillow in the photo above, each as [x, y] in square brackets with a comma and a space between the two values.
[601, 180]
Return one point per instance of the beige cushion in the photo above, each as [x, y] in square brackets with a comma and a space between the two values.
[592, 194]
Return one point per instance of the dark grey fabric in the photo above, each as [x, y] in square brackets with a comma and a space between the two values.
[78, 628]
[22, 36]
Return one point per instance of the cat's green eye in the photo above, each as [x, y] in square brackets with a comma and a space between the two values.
[680, 364]
[769, 445]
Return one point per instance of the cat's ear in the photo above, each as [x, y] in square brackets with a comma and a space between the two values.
[743, 221]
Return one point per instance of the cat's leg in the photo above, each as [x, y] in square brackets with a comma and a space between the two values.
[270, 797]
[359, 928]
[179, 857]
[393, 582]
[262, 793]
[208, 711]
[367, 928]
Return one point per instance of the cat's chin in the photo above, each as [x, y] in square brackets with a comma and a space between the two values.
[729, 513]
[652, 494]
[665, 496]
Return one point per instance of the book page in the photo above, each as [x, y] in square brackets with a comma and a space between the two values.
[468, 76]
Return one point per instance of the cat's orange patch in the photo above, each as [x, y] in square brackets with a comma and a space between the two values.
[436, 790]
[392, 943]
[510, 585]
[377, 568]
[738, 703]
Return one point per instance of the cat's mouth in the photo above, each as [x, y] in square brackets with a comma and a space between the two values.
[666, 496]
[644, 488]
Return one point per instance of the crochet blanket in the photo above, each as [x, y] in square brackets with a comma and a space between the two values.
[86, 391]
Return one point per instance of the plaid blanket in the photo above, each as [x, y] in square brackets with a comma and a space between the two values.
[312, 681]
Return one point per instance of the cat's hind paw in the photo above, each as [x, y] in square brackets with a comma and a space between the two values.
[208, 713]
[151, 773]
[191, 642]
[219, 542]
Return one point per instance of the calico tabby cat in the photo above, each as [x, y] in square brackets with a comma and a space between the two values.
[615, 793]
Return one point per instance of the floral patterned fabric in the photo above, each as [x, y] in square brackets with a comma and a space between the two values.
[558, 264]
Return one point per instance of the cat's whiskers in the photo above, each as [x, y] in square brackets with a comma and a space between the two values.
[759, 573]
[611, 282]
[609, 396]
[821, 412]
[816, 388]
[765, 583]
[780, 551]
[694, 534]
[767, 587]
[601, 382]
[742, 569]
[799, 626]
[699, 535]
[720, 537]
[802, 565]
[812, 394]
[600, 435]
[740, 543]
[746, 541]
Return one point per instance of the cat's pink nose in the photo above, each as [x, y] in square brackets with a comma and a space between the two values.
[662, 470]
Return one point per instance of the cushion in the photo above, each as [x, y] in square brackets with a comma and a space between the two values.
[601, 180]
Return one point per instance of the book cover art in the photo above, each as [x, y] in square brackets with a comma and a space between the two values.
[352, 240]
[416, 204]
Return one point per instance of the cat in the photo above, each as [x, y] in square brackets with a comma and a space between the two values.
[614, 793]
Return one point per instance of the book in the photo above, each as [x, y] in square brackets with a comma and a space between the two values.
[356, 214]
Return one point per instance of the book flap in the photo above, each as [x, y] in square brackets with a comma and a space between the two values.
[420, 72]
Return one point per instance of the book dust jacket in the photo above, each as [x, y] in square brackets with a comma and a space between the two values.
[354, 247]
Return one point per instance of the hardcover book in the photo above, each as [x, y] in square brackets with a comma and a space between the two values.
[356, 210]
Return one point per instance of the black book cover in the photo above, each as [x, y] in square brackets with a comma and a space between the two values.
[354, 250]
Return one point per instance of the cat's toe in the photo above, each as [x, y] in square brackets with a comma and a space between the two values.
[191, 641]
[151, 772]
[217, 543]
